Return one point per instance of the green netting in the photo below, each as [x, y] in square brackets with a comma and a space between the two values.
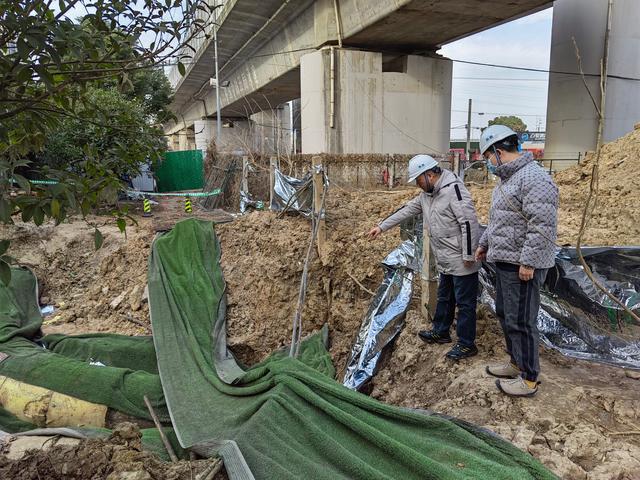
[107, 348]
[181, 170]
[119, 387]
[290, 419]
[9, 423]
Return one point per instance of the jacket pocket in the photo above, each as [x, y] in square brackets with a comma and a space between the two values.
[450, 254]
[451, 244]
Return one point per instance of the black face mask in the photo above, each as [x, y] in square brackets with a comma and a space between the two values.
[429, 185]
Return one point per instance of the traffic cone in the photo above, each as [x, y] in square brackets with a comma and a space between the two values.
[146, 208]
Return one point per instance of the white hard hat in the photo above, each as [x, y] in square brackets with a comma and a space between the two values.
[420, 164]
[492, 135]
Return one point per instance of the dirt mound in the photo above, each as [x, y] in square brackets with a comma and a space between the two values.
[100, 291]
[615, 219]
[574, 426]
[118, 458]
[262, 260]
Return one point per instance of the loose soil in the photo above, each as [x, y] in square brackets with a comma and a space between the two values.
[120, 457]
[584, 423]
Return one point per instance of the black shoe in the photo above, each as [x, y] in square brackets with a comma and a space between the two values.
[431, 336]
[458, 352]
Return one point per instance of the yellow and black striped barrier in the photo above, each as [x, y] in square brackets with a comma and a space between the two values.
[146, 207]
[187, 205]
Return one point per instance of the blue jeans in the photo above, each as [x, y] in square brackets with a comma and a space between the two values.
[463, 292]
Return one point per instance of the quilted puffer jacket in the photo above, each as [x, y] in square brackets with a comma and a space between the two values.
[450, 223]
[523, 217]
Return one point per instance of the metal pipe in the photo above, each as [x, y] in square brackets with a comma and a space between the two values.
[338, 26]
[292, 141]
[332, 89]
[215, 54]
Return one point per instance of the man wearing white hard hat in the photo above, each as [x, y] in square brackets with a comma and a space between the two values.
[520, 242]
[451, 226]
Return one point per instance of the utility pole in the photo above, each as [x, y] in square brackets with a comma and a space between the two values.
[215, 54]
[468, 150]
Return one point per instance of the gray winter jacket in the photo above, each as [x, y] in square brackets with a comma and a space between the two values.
[450, 223]
[523, 217]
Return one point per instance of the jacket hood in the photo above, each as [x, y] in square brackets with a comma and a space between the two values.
[508, 169]
[447, 177]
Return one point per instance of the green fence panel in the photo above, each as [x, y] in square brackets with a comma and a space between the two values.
[182, 170]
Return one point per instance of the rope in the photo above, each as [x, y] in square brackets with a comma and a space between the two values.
[217, 191]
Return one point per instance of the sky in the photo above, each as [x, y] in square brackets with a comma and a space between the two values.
[496, 91]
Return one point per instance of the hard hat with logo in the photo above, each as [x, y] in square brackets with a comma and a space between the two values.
[420, 164]
[492, 135]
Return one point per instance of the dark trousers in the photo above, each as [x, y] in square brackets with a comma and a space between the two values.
[517, 305]
[463, 292]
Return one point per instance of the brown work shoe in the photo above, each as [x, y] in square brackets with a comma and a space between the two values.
[516, 387]
[503, 370]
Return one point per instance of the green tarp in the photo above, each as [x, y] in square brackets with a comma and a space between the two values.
[288, 416]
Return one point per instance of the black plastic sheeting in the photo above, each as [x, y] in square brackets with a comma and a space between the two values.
[578, 319]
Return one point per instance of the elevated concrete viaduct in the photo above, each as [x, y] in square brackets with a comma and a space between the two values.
[387, 85]
[385, 90]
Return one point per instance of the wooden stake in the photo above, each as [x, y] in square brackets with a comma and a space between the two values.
[163, 437]
[429, 278]
[318, 189]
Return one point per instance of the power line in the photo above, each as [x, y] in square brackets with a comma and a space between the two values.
[503, 79]
[540, 70]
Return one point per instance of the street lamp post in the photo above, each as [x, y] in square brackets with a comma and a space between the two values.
[217, 86]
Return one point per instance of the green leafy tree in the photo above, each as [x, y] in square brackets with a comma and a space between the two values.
[78, 141]
[49, 62]
[514, 123]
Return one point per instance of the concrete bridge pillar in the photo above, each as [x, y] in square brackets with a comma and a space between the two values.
[186, 139]
[355, 101]
[205, 131]
[572, 121]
